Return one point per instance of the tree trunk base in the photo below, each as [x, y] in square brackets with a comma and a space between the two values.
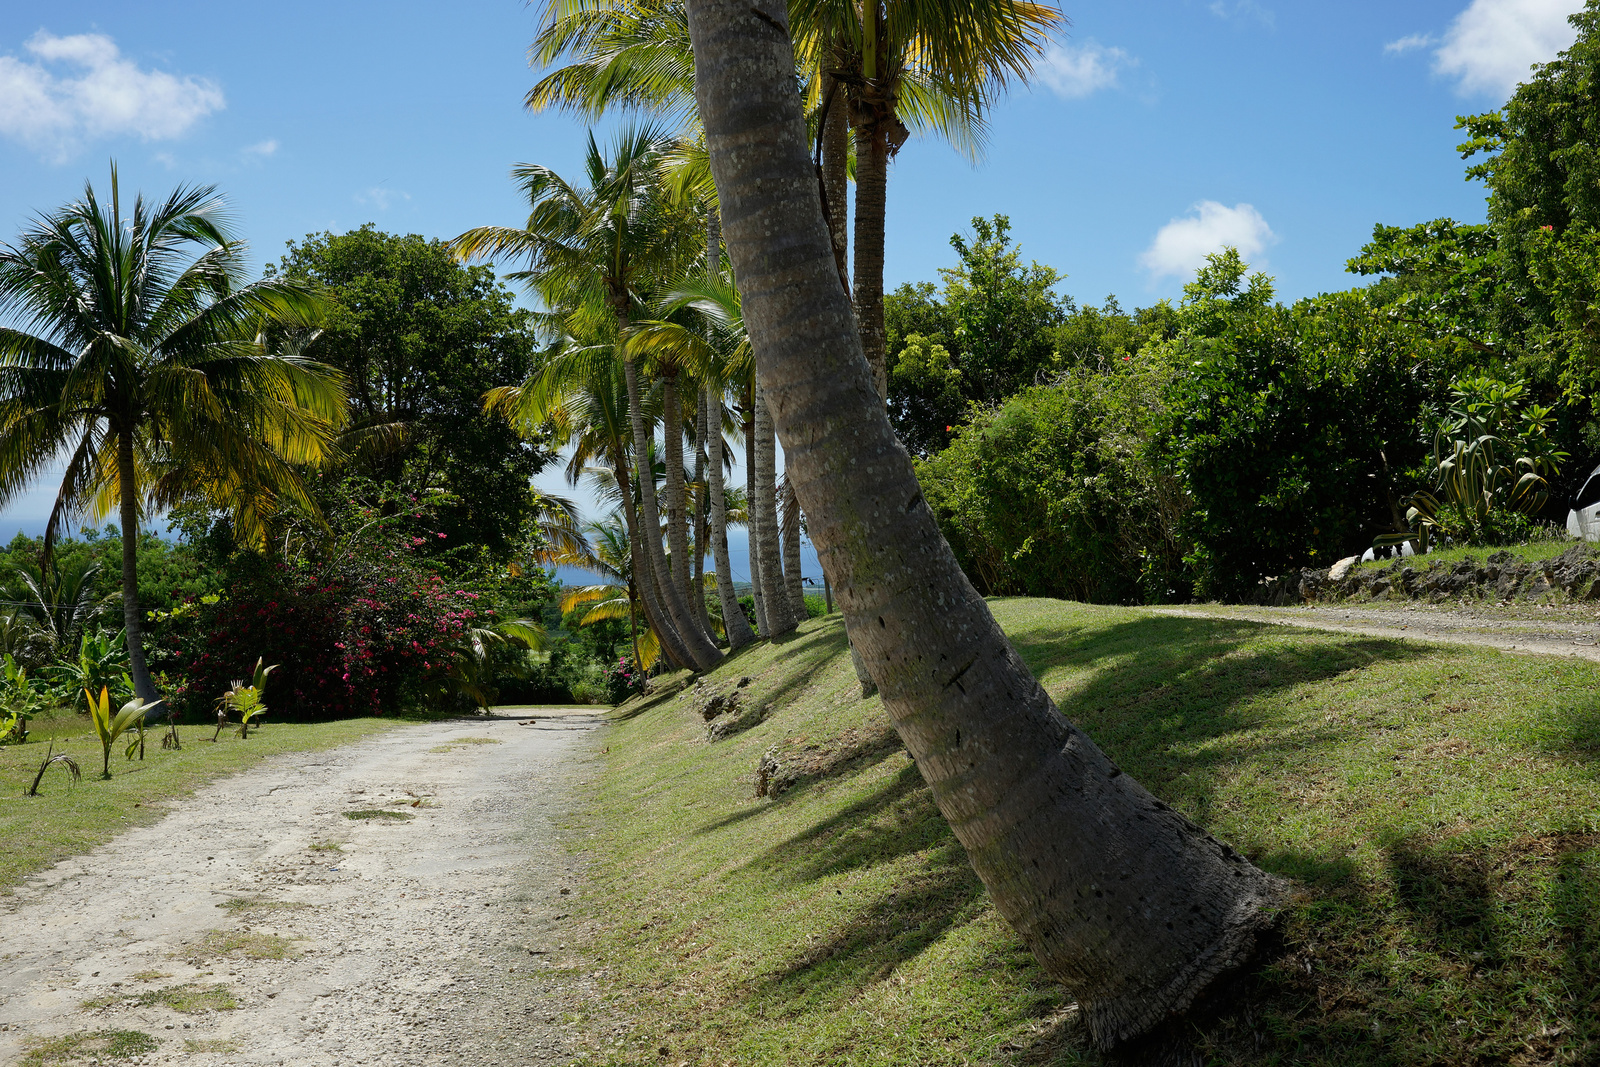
[1127, 1024]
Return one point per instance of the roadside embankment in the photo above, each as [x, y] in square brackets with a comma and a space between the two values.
[782, 889]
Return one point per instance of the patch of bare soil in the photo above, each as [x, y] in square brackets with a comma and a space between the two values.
[1560, 630]
[258, 924]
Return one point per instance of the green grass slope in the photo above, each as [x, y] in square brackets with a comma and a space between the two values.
[1439, 806]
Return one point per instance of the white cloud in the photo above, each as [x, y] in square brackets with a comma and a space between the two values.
[1075, 71]
[81, 87]
[1181, 246]
[1409, 44]
[1244, 9]
[1491, 45]
[261, 148]
[381, 198]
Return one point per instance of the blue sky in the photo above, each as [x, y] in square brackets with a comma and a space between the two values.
[1158, 129]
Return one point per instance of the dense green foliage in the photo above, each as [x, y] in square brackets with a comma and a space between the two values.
[1055, 494]
[422, 338]
[1293, 429]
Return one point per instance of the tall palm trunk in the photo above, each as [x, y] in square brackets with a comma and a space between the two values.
[734, 624]
[132, 617]
[793, 577]
[702, 654]
[872, 181]
[836, 167]
[747, 414]
[836, 187]
[677, 497]
[780, 620]
[644, 580]
[1134, 908]
[698, 499]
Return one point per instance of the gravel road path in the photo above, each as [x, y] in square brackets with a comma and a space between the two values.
[1562, 631]
[440, 937]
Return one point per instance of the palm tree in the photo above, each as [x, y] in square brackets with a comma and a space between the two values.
[617, 596]
[1137, 910]
[579, 392]
[593, 248]
[910, 67]
[57, 603]
[719, 353]
[137, 352]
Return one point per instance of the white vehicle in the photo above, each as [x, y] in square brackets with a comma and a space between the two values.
[1583, 520]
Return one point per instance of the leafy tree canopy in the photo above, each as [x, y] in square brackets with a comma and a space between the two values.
[422, 338]
[996, 326]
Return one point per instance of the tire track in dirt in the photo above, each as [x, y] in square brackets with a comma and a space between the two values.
[1571, 632]
[438, 937]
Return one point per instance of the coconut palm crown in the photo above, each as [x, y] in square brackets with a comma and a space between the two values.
[132, 350]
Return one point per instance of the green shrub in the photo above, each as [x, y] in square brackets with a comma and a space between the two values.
[1294, 429]
[1053, 494]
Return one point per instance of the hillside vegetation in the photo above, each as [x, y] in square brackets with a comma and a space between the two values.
[1439, 806]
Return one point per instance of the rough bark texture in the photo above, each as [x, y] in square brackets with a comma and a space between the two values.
[1135, 909]
[793, 578]
[836, 170]
[780, 619]
[734, 623]
[747, 414]
[133, 618]
[872, 180]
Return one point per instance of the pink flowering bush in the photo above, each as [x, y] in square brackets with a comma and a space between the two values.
[365, 629]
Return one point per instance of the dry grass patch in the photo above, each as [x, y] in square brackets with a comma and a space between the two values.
[240, 944]
[211, 1044]
[378, 813]
[189, 999]
[86, 1045]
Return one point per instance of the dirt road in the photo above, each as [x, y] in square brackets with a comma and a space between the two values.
[259, 924]
[1565, 631]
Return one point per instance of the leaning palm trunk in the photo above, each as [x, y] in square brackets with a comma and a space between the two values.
[734, 624]
[747, 416]
[780, 620]
[793, 577]
[1129, 904]
[699, 498]
[644, 580]
[695, 643]
[677, 497]
[132, 618]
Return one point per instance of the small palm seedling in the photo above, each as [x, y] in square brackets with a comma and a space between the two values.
[169, 740]
[52, 756]
[109, 727]
[245, 699]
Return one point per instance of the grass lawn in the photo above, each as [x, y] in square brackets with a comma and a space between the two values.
[68, 820]
[1440, 807]
[1544, 545]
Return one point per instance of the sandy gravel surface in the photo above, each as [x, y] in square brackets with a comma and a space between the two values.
[1564, 631]
[439, 939]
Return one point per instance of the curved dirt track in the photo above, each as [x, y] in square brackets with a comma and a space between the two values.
[438, 939]
[1565, 631]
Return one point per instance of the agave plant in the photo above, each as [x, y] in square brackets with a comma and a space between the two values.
[1491, 457]
[109, 727]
